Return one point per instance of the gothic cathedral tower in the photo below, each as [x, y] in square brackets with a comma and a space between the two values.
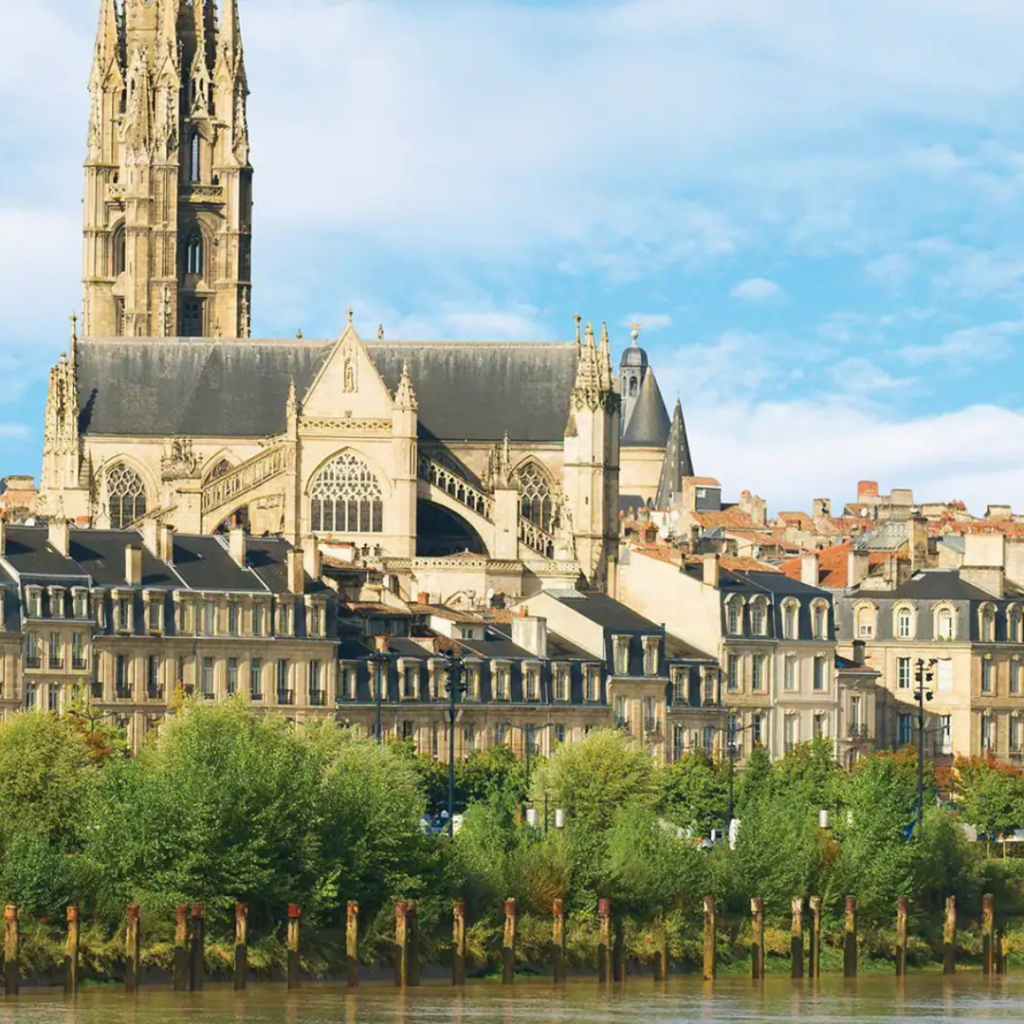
[168, 183]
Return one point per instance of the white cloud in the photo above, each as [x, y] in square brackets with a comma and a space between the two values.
[793, 452]
[857, 376]
[757, 289]
[983, 343]
[15, 431]
[893, 270]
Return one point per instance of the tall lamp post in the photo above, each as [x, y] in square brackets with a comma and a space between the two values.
[923, 674]
[380, 661]
[455, 688]
[731, 732]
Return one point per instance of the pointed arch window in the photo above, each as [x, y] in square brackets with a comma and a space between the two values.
[194, 163]
[118, 251]
[347, 498]
[194, 254]
[126, 496]
[221, 469]
[536, 501]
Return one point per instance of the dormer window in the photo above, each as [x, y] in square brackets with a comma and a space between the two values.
[209, 617]
[1013, 625]
[80, 602]
[531, 674]
[791, 620]
[734, 617]
[57, 602]
[945, 624]
[592, 677]
[123, 612]
[758, 618]
[316, 622]
[865, 618]
[257, 618]
[904, 623]
[501, 673]
[154, 613]
[987, 622]
[651, 655]
[99, 609]
[561, 675]
[234, 618]
[620, 647]
[34, 602]
[409, 675]
[285, 617]
[821, 621]
[472, 680]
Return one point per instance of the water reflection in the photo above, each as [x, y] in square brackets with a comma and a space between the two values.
[964, 999]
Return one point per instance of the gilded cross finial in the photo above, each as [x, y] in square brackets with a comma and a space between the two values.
[579, 320]
[636, 333]
[351, 315]
[74, 327]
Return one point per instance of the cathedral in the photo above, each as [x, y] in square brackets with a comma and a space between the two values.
[450, 467]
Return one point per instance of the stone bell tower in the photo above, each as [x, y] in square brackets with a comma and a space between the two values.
[168, 183]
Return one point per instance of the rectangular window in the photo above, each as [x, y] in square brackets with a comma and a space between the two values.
[78, 663]
[680, 686]
[621, 716]
[209, 618]
[734, 736]
[121, 677]
[153, 688]
[57, 602]
[946, 735]
[732, 675]
[790, 732]
[789, 680]
[502, 687]
[820, 675]
[35, 604]
[650, 715]
[316, 620]
[1015, 734]
[284, 619]
[1014, 677]
[732, 614]
[124, 614]
[987, 733]
[33, 653]
[182, 682]
[500, 734]
[53, 697]
[756, 730]
[593, 684]
[349, 680]
[154, 614]
[257, 619]
[234, 618]
[317, 693]
[410, 681]
[532, 682]
[855, 716]
[650, 656]
[820, 725]
[232, 676]
[758, 673]
[208, 692]
[285, 694]
[709, 740]
[256, 679]
[469, 739]
[81, 601]
[621, 644]
[31, 695]
[56, 653]
[986, 676]
[903, 673]
[678, 742]
[757, 618]
[472, 682]
[904, 729]
[559, 734]
[561, 674]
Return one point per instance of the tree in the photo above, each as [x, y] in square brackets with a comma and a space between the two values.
[695, 793]
[991, 794]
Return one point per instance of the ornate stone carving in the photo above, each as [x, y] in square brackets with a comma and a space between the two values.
[179, 461]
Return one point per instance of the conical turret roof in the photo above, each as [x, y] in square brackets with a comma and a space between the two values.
[648, 425]
[678, 462]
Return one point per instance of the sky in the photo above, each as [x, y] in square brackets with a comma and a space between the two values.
[815, 210]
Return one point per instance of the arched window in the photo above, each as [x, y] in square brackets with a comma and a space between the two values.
[347, 498]
[945, 623]
[194, 166]
[758, 617]
[535, 500]
[821, 621]
[118, 251]
[734, 616]
[126, 496]
[1013, 624]
[865, 622]
[987, 616]
[904, 623]
[791, 620]
[221, 469]
[194, 254]
[632, 387]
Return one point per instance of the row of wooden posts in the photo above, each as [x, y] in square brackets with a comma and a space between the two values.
[190, 944]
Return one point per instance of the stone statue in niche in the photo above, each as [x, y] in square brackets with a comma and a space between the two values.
[350, 375]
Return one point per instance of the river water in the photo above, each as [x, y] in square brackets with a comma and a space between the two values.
[963, 999]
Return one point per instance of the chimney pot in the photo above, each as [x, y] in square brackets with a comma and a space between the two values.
[423, 597]
[133, 565]
[59, 532]
[712, 571]
[237, 545]
[296, 572]
[809, 569]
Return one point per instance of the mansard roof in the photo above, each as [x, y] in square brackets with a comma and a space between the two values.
[649, 424]
[473, 391]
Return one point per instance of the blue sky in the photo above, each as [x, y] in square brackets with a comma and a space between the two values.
[815, 209]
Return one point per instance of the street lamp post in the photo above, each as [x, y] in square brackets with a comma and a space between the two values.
[924, 673]
[380, 660]
[455, 688]
[529, 734]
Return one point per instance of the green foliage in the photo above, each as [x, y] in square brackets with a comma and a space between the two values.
[695, 793]
[992, 794]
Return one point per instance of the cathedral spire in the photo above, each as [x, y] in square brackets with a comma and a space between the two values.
[605, 360]
[229, 38]
[405, 395]
[108, 36]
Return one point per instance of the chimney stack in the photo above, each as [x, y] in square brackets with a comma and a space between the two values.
[60, 535]
[312, 561]
[3, 538]
[159, 540]
[712, 571]
[531, 633]
[423, 597]
[133, 565]
[859, 653]
[296, 573]
[237, 545]
[809, 569]
[857, 567]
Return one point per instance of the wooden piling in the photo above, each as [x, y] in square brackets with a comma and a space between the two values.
[662, 961]
[757, 938]
[132, 950]
[710, 935]
[197, 951]
[988, 933]
[459, 943]
[814, 967]
[1001, 950]
[796, 939]
[406, 966]
[508, 947]
[949, 937]
[412, 921]
[850, 939]
[352, 944]
[618, 950]
[181, 949]
[604, 941]
[558, 941]
[71, 952]
[902, 912]
[12, 937]
[241, 975]
[294, 928]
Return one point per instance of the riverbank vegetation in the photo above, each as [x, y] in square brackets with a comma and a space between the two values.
[229, 805]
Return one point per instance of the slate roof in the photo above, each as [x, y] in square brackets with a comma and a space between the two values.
[604, 611]
[474, 391]
[649, 424]
[678, 462]
[942, 584]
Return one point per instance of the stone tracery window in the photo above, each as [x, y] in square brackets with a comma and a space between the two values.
[536, 502]
[126, 495]
[221, 469]
[347, 498]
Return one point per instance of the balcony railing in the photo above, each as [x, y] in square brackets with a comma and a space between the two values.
[124, 692]
[286, 697]
[318, 698]
[858, 732]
